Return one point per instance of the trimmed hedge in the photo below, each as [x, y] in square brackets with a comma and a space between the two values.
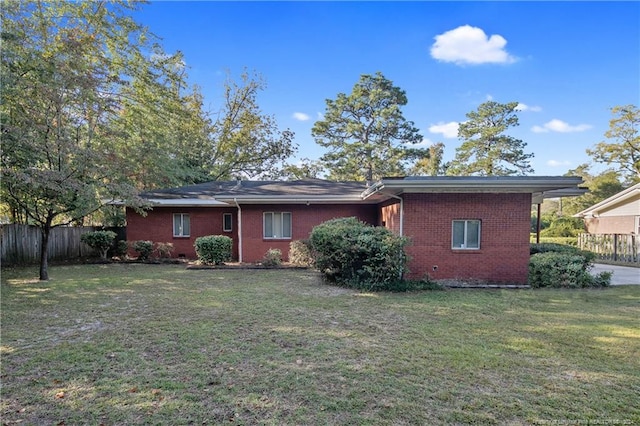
[558, 265]
[567, 241]
[144, 248]
[357, 255]
[214, 249]
[561, 248]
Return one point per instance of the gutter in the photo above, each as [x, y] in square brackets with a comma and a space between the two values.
[239, 230]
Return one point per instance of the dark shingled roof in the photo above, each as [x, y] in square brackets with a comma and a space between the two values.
[232, 189]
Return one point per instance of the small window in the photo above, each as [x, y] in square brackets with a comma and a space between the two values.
[181, 225]
[227, 224]
[466, 234]
[277, 225]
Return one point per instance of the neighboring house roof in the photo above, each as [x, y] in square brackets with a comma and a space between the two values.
[224, 193]
[627, 196]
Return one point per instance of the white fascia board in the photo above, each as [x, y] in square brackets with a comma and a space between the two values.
[187, 202]
[329, 199]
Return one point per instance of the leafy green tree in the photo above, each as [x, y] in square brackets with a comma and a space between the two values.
[600, 187]
[64, 70]
[306, 169]
[486, 150]
[160, 126]
[366, 132]
[243, 141]
[432, 164]
[624, 129]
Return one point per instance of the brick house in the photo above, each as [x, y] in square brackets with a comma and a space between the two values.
[460, 227]
[618, 214]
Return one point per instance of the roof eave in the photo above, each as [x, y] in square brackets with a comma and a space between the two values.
[186, 202]
[309, 199]
[479, 185]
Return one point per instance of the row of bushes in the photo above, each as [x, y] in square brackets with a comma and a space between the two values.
[347, 252]
[103, 242]
[353, 254]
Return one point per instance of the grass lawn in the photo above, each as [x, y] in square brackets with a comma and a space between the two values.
[158, 344]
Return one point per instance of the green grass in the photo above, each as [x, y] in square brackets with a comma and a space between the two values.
[159, 344]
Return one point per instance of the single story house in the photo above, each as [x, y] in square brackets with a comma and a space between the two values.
[469, 228]
[618, 214]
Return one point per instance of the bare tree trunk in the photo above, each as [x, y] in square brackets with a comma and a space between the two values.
[44, 250]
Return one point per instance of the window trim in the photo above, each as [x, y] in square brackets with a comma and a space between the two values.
[465, 237]
[224, 222]
[181, 227]
[282, 215]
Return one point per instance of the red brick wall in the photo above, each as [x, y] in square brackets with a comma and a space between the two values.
[303, 219]
[390, 215]
[503, 256]
[157, 226]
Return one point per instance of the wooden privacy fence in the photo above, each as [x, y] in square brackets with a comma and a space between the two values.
[616, 247]
[20, 244]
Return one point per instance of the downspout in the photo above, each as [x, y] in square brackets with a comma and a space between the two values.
[538, 224]
[401, 222]
[239, 230]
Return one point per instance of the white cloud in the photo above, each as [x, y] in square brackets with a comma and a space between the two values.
[425, 142]
[470, 45]
[556, 163]
[448, 130]
[489, 98]
[560, 126]
[301, 116]
[525, 107]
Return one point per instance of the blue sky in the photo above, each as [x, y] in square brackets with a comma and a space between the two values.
[567, 63]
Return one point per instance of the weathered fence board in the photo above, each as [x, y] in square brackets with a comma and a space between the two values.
[20, 244]
[615, 247]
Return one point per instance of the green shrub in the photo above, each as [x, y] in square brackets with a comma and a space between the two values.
[562, 248]
[121, 248]
[214, 249]
[358, 255]
[416, 285]
[272, 258]
[144, 248]
[99, 240]
[563, 227]
[300, 253]
[568, 241]
[563, 269]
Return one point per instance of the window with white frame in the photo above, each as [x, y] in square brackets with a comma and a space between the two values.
[277, 225]
[465, 234]
[227, 222]
[181, 225]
